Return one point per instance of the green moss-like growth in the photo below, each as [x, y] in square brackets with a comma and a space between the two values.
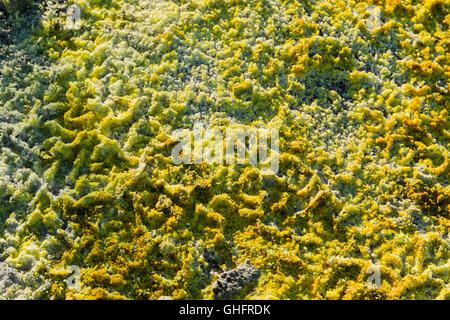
[88, 119]
[12, 6]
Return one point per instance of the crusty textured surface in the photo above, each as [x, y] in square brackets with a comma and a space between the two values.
[87, 118]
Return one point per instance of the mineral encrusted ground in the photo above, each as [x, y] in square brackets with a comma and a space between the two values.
[86, 123]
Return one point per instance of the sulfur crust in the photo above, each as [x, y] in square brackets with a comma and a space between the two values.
[364, 150]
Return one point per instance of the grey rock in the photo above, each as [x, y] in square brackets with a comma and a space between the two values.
[8, 277]
[233, 281]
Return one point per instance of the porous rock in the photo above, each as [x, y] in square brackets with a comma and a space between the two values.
[233, 281]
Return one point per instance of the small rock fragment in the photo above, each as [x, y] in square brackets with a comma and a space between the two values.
[233, 281]
[8, 277]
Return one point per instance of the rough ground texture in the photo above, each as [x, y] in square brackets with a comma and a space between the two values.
[10, 281]
[233, 281]
[87, 121]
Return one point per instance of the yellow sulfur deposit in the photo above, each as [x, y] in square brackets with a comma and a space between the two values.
[359, 91]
